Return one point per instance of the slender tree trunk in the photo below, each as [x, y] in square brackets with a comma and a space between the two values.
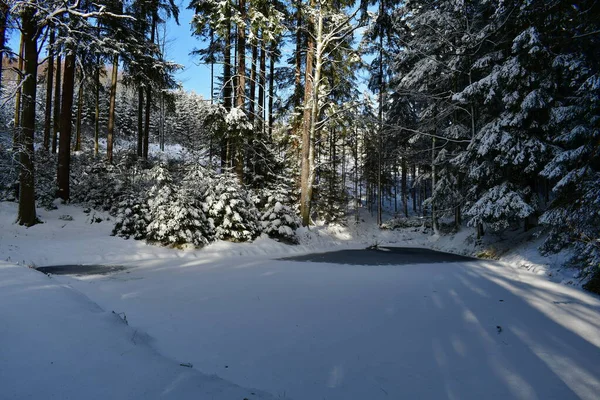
[149, 96]
[380, 132]
[146, 141]
[26, 214]
[241, 86]
[4, 11]
[261, 84]
[252, 103]
[77, 146]
[272, 59]
[307, 143]
[20, 72]
[161, 126]
[57, 101]
[457, 214]
[298, 56]
[357, 195]
[227, 89]
[111, 109]
[227, 82]
[140, 122]
[404, 188]
[64, 142]
[49, 86]
[434, 220]
[413, 188]
[395, 186]
[97, 113]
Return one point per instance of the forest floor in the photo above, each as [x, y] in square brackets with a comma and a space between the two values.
[198, 323]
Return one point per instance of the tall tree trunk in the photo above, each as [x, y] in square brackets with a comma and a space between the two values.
[404, 188]
[261, 83]
[140, 122]
[77, 146]
[149, 94]
[380, 132]
[434, 217]
[146, 141]
[97, 113]
[227, 83]
[272, 59]
[252, 103]
[298, 56]
[26, 214]
[307, 145]
[49, 86]
[241, 86]
[57, 100]
[413, 189]
[64, 142]
[97, 99]
[20, 73]
[111, 109]
[4, 11]
[227, 86]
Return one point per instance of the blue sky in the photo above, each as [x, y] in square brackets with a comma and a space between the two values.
[194, 76]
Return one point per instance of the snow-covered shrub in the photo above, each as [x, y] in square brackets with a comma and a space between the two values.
[132, 215]
[231, 210]
[45, 179]
[402, 223]
[96, 182]
[278, 218]
[176, 215]
[500, 207]
[8, 171]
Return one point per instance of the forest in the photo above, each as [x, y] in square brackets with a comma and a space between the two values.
[474, 114]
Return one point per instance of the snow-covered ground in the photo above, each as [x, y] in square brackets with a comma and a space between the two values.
[240, 316]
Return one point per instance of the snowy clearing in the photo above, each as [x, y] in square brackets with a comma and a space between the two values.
[298, 330]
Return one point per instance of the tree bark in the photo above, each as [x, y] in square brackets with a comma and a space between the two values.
[413, 189]
[27, 214]
[140, 122]
[271, 86]
[146, 135]
[149, 95]
[4, 11]
[49, 86]
[241, 87]
[20, 73]
[404, 188]
[434, 217]
[252, 103]
[111, 109]
[77, 146]
[97, 113]
[64, 142]
[298, 56]
[57, 99]
[261, 84]
[307, 148]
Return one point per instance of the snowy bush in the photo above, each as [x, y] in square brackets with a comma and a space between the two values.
[278, 218]
[231, 210]
[176, 216]
[8, 171]
[401, 223]
[45, 179]
[95, 182]
[132, 216]
[500, 207]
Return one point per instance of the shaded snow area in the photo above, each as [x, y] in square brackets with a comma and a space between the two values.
[239, 317]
